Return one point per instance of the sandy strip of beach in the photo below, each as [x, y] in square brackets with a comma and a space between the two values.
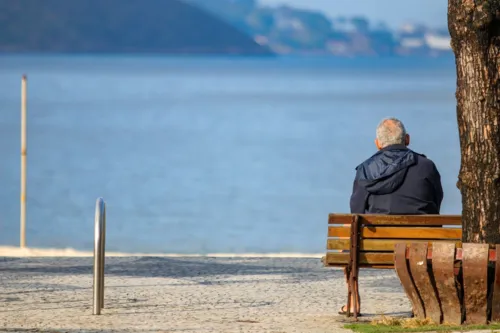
[12, 251]
[186, 294]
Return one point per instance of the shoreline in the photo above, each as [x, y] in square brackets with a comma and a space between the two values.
[13, 251]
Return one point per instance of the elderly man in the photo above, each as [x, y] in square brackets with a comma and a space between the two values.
[395, 180]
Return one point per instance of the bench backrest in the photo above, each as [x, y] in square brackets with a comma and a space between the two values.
[378, 235]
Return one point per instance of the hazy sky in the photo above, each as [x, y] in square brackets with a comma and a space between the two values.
[393, 12]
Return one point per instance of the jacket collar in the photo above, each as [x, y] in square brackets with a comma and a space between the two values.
[394, 147]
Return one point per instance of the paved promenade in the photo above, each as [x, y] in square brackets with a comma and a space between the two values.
[187, 294]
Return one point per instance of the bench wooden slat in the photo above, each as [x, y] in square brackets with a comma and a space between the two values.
[381, 258]
[459, 253]
[376, 244]
[399, 232]
[364, 258]
[428, 220]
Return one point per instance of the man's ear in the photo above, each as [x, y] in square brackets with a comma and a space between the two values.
[407, 140]
[377, 144]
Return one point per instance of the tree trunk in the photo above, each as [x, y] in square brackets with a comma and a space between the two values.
[474, 27]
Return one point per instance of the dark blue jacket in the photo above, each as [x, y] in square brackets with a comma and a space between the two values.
[397, 181]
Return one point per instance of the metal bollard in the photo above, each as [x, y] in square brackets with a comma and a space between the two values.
[99, 255]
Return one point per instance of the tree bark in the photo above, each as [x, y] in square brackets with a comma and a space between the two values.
[474, 27]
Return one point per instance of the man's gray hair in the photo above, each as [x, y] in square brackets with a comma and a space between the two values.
[391, 131]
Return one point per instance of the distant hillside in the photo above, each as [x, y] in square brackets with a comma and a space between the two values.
[290, 30]
[117, 26]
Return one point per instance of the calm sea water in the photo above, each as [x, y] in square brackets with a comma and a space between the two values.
[199, 155]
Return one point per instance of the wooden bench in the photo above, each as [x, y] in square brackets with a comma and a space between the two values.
[368, 241]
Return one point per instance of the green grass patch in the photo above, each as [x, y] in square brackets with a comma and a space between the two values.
[389, 325]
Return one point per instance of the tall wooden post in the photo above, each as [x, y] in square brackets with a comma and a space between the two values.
[23, 161]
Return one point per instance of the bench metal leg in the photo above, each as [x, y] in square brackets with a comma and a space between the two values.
[475, 268]
[495, 311]
[403, 272]
[422, 279]
[353, 269]
[443, 268]
[349, 291]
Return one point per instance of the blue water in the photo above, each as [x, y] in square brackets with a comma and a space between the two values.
[199, 155]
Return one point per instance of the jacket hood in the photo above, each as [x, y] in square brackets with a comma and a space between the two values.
[384, 172]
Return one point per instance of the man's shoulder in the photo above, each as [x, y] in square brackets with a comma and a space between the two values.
[424, 162]
[422, 157]
[369, 160]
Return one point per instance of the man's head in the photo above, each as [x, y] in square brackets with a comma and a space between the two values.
[391, 131]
